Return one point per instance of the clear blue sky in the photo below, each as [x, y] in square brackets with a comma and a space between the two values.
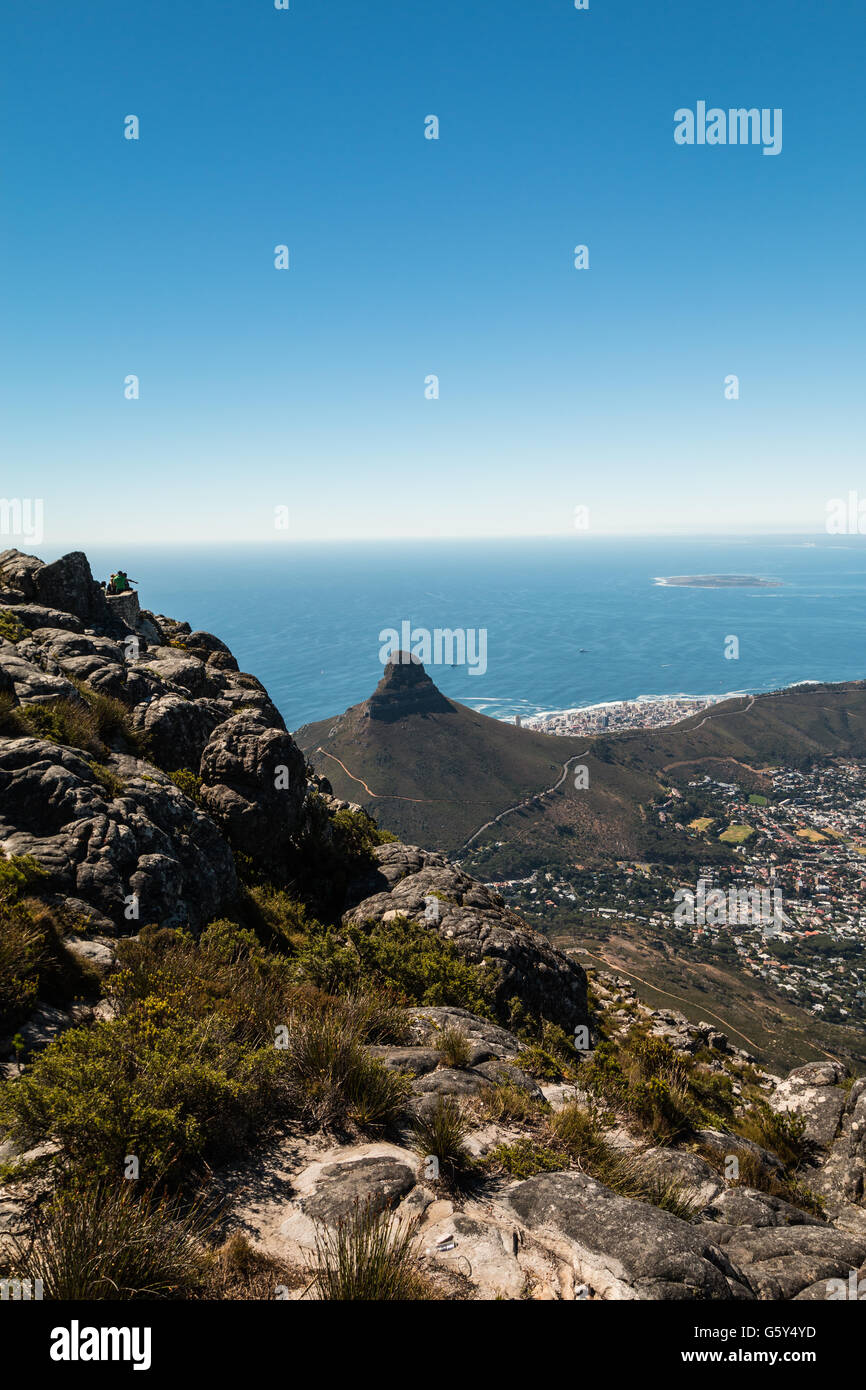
[409, 257]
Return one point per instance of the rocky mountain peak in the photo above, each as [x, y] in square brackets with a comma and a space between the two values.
[405, 689]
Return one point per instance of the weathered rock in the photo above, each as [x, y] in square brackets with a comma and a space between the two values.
[700, 1181]
[376, 1181]
[96, 952]
[480, 926]
[487, 1039]
[177, 729]
[412, 1061]
[782, 1261]
[506, 1072]
[253, 785]
[745, 1206]
[147, 840]
[448, 1081]
[35, 615]
[814, 1093]
[69, 584]
[621, 1248]
[42, 1027]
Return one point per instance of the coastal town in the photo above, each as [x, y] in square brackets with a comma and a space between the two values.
[614, 716]
[775, 882]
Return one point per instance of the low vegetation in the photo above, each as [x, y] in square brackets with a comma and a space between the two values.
[11, 627]
[369, 1256]
[440, 1133]
[103, 1242]
[454, 1048]
[34, 964]
[96, 724]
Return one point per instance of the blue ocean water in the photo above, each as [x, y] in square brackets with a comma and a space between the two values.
[306, 617]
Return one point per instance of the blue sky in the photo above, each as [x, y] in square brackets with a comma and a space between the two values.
[558, 388]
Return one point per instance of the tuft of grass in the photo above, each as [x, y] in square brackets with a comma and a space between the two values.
[92, 722]
[334, 1079]
[647, 1081]
[375, 1017]
[574, 1137]
[113, 784]
[103, 1242]
[239, 1271]
[506, 1103]
[440, 1133]
[368, 1256]
[784, 1134]
[454, 1048]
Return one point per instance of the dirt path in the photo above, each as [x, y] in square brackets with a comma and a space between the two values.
[689, 762]
[536, 796]
[668, 994]
[619, 970]
[379, 796]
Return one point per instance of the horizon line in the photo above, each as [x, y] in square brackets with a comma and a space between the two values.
[291, 541]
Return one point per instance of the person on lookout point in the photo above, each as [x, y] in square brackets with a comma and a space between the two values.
[119, 583]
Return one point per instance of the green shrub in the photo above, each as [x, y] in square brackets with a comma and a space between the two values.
[537, 1062]
[34, 963]
[228, 980]
[525, 1158]
[280, 916]
[11, 626]
[401, 957]
[175, 1093]
[331, 850]
[188, 782]
[193, 1064]
[21, 954]
[113, 784]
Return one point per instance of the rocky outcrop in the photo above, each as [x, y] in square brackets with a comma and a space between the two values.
[189, 709]
[139, 851]
[410, 882]
[405, 688]
[254, 784]
[623, 1248]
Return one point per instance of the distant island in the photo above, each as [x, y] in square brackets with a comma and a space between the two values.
[720, 581]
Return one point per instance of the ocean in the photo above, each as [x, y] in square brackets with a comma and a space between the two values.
[569, 621]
